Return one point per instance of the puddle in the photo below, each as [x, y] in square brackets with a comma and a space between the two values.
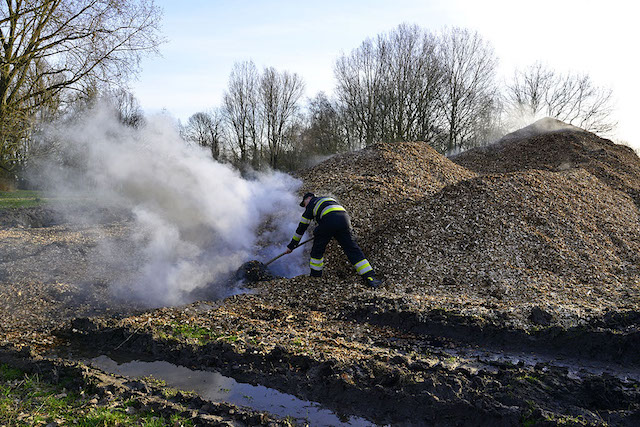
[576, 369]
[213, 386]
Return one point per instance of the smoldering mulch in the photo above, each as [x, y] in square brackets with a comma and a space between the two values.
[51, 274]
[520, 261]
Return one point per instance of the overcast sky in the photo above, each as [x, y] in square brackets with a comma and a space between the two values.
[206, 37]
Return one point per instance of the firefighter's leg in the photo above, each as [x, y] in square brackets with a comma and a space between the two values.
[353, 251]
[322, 236]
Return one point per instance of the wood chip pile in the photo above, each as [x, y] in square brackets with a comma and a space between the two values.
[532, 237]
[563, 149]
[377, 181]
[543, 226]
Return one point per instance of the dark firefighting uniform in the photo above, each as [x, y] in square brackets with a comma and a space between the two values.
[333, 221]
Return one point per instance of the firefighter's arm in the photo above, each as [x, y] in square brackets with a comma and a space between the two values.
[302, 227]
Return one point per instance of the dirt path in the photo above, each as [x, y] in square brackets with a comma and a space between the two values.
[386, 356]
[346, 365]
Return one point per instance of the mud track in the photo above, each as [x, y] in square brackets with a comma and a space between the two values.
[391, 356]
[416, 377]
[614, 337]
[107, 390]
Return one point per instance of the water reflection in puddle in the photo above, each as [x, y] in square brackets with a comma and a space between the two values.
[475, 359]
[218, 388]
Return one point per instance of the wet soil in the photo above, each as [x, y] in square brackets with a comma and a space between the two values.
[415, 378]
[379, 355]
[96, 389]
[213, 386]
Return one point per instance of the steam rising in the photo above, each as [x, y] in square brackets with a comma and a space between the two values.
[195, 220]
[544, 125]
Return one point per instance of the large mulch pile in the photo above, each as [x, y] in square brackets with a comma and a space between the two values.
[561, 147]
[560, 239]
[544, 224]
[374, 182]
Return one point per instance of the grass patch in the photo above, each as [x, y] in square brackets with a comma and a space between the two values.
[231, 338]
[533, 380]
[167, 392]
[197, 333]
[7, 373]
[298, 347]
[21, 199]
[118, 417]
[27, 400]
[200, 335]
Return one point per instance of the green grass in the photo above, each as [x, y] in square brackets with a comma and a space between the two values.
[194, 332]
[532, 380]
[7, 373]
[197, 334]
[298, 347]
[27, 400]
[167, 392]
[21, 199]
[231, 338]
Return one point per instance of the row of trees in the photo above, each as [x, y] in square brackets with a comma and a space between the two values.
[408, 85]
[54, 53]
[258, 118]
[414, 85]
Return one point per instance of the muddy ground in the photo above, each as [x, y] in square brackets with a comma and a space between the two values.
[382, 355]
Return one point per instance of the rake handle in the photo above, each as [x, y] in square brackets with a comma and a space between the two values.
[285, 252]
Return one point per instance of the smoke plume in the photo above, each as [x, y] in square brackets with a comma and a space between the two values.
[194, 220]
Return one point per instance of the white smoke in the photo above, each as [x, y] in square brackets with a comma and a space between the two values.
[195, 220]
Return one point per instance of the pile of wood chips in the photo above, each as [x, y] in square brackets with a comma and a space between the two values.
[616, 165]
[379, 181]
[552, 221]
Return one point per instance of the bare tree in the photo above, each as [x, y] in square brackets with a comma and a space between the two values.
[573, 98]
[279, 95]
[412, 85]
[388, 88]
[324, 132]
[206, 130]
[295, 150]
[359, 89]
[240, 109]
[52, 46]
[469, 65]
[529, 88]
[127, 107]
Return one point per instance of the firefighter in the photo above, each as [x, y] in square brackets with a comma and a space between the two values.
[333, 221]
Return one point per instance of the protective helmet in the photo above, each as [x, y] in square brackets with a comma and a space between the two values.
[304, 197]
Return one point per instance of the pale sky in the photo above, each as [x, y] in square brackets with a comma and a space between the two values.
[205, 38]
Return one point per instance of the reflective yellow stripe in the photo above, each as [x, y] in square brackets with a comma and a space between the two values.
[363, 267]
[331, 209]
[297, 237]
[316, 264]
[305, 221]
[360, 263]
[321, 201]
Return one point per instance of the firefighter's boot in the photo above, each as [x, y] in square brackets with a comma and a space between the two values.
[372, 282]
